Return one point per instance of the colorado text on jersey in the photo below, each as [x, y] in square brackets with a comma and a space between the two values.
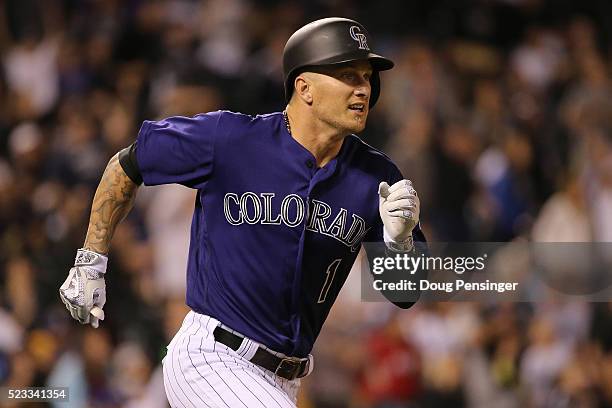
[251, 208]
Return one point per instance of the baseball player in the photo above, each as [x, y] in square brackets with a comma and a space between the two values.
[284, 202]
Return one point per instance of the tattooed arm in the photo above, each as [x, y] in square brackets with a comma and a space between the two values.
[84, 290]
[113, 200]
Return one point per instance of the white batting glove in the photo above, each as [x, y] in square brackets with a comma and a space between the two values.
[399, 209]
[84, 291]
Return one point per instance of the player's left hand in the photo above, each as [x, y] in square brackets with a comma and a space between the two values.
[399, 209]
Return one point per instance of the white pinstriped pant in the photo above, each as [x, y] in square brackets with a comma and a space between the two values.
[199, 372]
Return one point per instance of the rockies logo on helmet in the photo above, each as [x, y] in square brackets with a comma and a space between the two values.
[358, 36]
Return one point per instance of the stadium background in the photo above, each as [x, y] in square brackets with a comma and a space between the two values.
[498, 110]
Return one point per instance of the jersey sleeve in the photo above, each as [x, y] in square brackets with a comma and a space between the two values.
[178, 149]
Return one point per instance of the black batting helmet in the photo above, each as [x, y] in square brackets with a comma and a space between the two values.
[331, 41]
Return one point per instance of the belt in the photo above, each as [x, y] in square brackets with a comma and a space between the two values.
[288, 367]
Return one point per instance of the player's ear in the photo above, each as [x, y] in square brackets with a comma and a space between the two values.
[303, 88]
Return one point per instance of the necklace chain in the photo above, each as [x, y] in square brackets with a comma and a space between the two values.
[286, 117]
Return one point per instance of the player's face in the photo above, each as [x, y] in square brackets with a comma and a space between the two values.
[341, 94]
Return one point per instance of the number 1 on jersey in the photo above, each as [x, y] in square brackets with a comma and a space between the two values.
[331, 272]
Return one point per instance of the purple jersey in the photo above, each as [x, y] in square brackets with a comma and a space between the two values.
[273, 237]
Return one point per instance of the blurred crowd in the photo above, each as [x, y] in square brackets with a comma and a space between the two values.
[499, 111]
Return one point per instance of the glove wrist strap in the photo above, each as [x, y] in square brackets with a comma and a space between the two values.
[406, 245]
[91, 259]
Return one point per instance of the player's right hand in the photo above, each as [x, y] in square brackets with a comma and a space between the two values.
[84, 291]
